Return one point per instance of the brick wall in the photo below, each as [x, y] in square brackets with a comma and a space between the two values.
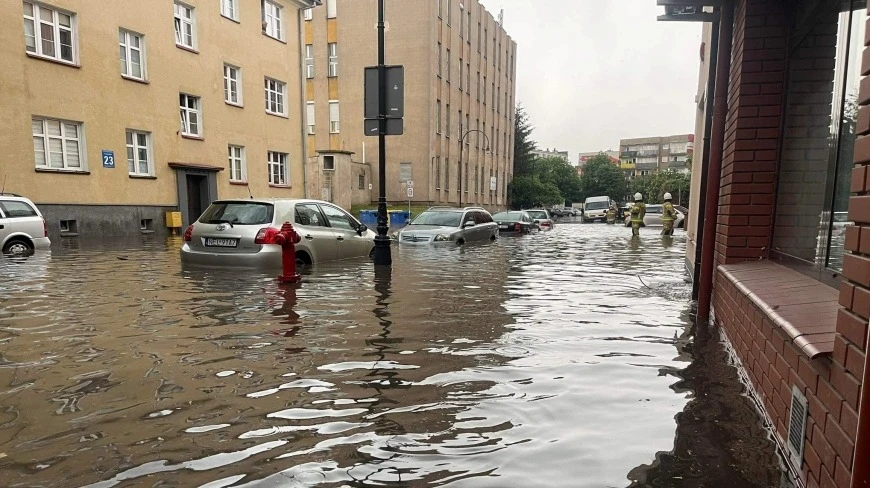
[752, 130]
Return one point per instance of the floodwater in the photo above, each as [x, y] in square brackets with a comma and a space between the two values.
[549, 360]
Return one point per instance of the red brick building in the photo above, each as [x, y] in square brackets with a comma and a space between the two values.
[785, 250]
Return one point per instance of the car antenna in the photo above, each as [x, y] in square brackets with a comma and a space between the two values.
[3, 188]
[249, 193]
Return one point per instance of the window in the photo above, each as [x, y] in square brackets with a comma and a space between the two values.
[438, 56]
[146, 225]
[309, 61]
[478, 37]
[440, 8]
[467, 175]
[338, 219]
[185, 26]
[230, 9]
[190, 123]
[362, 182]
[461, 74]
[275, 91]
[447, 174]
[437, 172]
[328, 163]
[69, 227]
[447, 122]
[448, 63]
[232, 84]
[405, 172]
[132, 47]
[58, 144]
[309, 214]
[331, 9]
[333, 59]
[438, 116]
[238, 166]
[309, 13]
[273, 25]
[278, 169]
[468, 28]
[484, 90]
[461, 21]
[309, 117]
[476, 179]
[485, 43]
[15, 209]
[449, 2]
[467, 126]
[468, 76]
[139, 161]
[478, 86]
[334, 126]
[50, 33]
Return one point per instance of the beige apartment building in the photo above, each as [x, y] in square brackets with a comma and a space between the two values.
[648, 155]
[116, 112]
[459, 68]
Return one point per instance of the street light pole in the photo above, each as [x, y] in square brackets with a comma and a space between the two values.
[461, 144]
[383, 256]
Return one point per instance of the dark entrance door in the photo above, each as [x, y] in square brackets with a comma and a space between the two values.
[197, 195]
[197, 188]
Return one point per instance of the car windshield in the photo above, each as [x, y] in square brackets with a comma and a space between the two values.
[654, 209]
[441, 218]
[508, 216]
[238, 213]
[597, 205]
[537, 214]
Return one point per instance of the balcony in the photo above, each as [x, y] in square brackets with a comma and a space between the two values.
[647, 166]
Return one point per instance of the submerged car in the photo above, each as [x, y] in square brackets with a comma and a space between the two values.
[240, 233]
[653, 217]
[542, 218]
[22, 227]
[515, 222]
[449, 225]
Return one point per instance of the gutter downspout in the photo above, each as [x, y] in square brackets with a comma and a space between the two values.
[714, 175]
[303, 111]
[705, 157]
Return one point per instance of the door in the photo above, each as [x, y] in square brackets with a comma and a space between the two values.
[317, 237]
[197, 196]
[5, 228]
[345, 227]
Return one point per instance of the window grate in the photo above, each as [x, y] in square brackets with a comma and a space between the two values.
[797, 427]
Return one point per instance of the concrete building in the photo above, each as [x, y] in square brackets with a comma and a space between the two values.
[459, 66]
[551, 153]
[114, 117]
[784, 266]
[647, 155]
[584, 157]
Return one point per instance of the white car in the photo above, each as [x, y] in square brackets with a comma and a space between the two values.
[653, 217]
[542, 218]
[22, 227]
[239, 233]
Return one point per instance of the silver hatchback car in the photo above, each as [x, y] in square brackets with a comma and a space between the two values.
[237, 233]
[448, 224]
[22, 227]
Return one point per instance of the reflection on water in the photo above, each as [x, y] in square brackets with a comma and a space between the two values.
[546, 360]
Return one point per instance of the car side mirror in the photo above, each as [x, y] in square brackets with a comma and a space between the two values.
[470, 223]
[362, 229]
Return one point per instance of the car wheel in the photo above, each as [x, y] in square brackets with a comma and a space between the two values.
[493, 237]
[18, 246]
[303, 260]
[460, 242]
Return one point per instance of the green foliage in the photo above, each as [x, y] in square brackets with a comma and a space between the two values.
[601, 177]
[523, 143]
[528, 191]
[654, 186]
[559, 173]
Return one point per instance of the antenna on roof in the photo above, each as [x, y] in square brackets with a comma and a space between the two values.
[249, 192]
[501, 17]
[3, 188]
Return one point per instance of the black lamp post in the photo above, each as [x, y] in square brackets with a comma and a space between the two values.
[383, 255]
[461, 145]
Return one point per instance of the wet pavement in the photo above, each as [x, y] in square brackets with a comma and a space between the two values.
[562, 359]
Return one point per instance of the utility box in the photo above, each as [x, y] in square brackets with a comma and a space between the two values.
[173, 220]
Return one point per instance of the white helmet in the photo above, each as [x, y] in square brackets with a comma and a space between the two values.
[667, 196]
[638, 197]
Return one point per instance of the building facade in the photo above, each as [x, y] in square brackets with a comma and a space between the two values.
[551, 153]
[785, 252]
[118, 111]
[648, 155]
[459, 67]
[584, 157]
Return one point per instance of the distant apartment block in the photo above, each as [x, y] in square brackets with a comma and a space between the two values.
[648, 155]
[551, 153]
[584, 157]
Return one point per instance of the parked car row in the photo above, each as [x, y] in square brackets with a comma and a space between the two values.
[22, 226]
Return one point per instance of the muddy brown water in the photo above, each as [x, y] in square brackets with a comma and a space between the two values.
[548, 360]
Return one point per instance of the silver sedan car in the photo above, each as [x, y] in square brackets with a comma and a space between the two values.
[239, 232]
[653, 217]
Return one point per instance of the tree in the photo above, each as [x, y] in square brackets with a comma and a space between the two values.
[653, 187]
[528, 191]
[601, 177]
[523, 143]
[559, 173]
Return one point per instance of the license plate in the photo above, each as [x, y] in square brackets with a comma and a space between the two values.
[504, 227]
[212, 242]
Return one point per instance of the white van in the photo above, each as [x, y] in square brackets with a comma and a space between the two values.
[595, 208]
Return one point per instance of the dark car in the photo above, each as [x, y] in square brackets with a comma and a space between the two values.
[517, 222]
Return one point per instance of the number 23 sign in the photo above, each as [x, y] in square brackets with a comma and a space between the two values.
[108, 159]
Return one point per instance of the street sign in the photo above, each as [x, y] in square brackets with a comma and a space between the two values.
[395, 92]
[108, 158]
[395, 127]
[493, 183]
[410, 192]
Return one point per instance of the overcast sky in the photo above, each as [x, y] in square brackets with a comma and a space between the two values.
[591, 72]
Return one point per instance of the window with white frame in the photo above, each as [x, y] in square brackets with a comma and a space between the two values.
[332, 49]
[275, 91]
[334, 125]
[331, 9]
[273, 25]
[132, 48]
[139, 160]
[278, 169]
[461, 21]
[58, 144]
[232, 84]
[449, 2]
[238, 168]
[309, 13]
[230, 9]
[309, 61]
[309, 117]
[50, 32]
[185, 26]
[189, 106]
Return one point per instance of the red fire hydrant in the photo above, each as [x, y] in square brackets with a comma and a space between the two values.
[287, 238]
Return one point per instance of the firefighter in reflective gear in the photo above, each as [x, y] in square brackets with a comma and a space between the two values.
[611, 215]
[669, 215]
[638, 210]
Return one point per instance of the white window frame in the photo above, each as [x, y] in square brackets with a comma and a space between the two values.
[273, 20]
[66, 140]
[309, 61]
[185, 112]
[275, 92]
[237, 159]
[36, 21]
[308, 14]
[331, 9]
[182, 20]
[230, 9]
[332, 52]
[310, 118]
[230, 82]
[280, 161]
[334, 122]
[129, 49]
[135, 146]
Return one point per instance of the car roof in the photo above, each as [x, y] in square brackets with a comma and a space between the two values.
[270, 200]
[447, 209]
[14, 197]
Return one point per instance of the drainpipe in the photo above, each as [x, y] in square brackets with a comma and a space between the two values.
[705, 156]
[714, 168]
[860, 466]
[303, 112]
